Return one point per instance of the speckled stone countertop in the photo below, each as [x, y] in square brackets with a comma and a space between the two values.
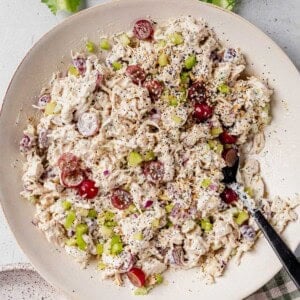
[22, 23]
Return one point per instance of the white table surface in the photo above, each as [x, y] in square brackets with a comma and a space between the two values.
[23, 22]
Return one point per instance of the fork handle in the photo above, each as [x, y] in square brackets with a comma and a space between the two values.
[286, 256]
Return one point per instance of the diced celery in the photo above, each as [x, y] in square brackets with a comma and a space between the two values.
[149, 155]
[216, 131]
[242, 217]
[182, 95]
[81, 244]
[106, 232]
[223, 88]
[92, 214]
[116, 248]
[107, 219]
[169, 207]
[190, 62]
[116, 239]
[71, 216]
[185, 77]
[206, 225]
[219, 148]
[159, 279]
[83, 212]
[101, 265]
[71, 242]
[176, 119]
[99, 249]
[234, 211]
[110, 224]
[212, 144]
[141, 291]
[169, 223]
[73, 71]
[57, 108]
[90, 46]
[124, 39]
[66, 205]
[173, 101]
[206, 183]
[50, 107]
[138, 236]
[134, 159]
[104, 44]
[176, 38]
[249, 191]
[131, 209]
[107, 247]
[162, 43]
[163, 59]
[33, 199]
[81, 229]
[155, 223]
[117, 65]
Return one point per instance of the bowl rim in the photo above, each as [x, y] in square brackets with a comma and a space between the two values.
[60, 25]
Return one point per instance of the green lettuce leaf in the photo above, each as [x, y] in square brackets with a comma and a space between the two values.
[227, 4]
[66, 5]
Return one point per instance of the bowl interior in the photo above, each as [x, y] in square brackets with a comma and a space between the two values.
[280, 160]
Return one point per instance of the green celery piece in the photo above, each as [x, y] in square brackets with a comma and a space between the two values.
[241, 218]
[117, 65]
[125, 40]
[73, 71]
[81, 244]
[141, 291]
[169, 207]
[116, 239]
[249, 191]
[106, 232]
[150, 155]
[190, 62]
[159, 278]
[134, 159]
[173, 101]
[184, 77]
[176, 38]
[216, 131]
[92, 214]
[163, 59]
[223, 88]
[81, 229]
[71, 242]
[71, 216]
[206, 183]
[177, 120]
[99, 249]
[104, 44]
[162, 43]
[116, 248]
[66, 205]
[206, 225]
[66, 5]
[90, 46]
[101, 265]
[138, 236]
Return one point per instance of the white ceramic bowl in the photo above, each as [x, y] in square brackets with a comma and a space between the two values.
[280, 161]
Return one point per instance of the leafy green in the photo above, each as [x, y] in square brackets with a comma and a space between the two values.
[227, 4]
[66, 5]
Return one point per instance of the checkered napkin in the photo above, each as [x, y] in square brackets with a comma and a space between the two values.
[278, 288]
